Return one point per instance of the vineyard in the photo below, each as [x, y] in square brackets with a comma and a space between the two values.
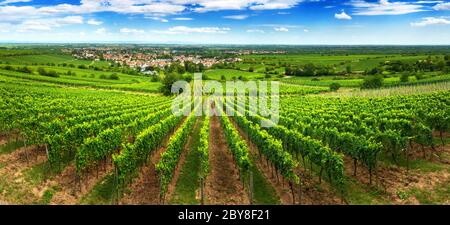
[82, 139]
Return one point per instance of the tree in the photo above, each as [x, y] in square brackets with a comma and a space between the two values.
[335, 86]
[348, 69]
[167, 82]
[372, 82]
[251, 69]
[222, 77]
[404, 77]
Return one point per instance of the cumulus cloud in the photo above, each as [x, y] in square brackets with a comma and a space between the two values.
[131, 31]
[162, 20]
[384, 7]
[183, 18]
[6, 2]
[428, 21]
[281, 29]
[189, 30]
[342, 16]
[236, 17]
[94, 22]
[442, 6]
[48, 24]
[255, 31]
[101, 31]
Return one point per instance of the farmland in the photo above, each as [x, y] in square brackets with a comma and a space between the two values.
[78, 131]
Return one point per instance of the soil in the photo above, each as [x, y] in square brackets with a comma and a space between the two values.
[223, 185]
[145, 190]
[70, 188]
[393, 178]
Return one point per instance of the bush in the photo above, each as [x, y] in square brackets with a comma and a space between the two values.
[114, 76]
[371, 82]
[155, 78]
[315, 79]
[404, 78]
[268, 76]
[25, 70]
[335, 86]
[103, 76]
[50, 73]
[419, 76]
[222, 77]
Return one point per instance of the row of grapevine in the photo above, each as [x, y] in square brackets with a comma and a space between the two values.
[98, 148]
[237, 146]
[203, 148]
[133, 156]
[298, 144]
[169, 159]
[270, 147]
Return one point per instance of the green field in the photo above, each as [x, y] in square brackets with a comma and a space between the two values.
[356, 82]
[357, 62]
[230, 74]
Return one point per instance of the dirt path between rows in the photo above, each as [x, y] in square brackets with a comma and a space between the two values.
[145, 190]
[186, 150]
[222, 186]
[283, 193]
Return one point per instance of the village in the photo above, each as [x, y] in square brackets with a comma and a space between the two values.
[148, 59]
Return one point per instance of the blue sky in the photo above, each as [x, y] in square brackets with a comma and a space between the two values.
[227, 21]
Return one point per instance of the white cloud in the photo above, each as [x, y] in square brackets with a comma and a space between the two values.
[188, 30]
[442, 6]
[101, 31]
[384, 7]
[342, 16]
[162, 20]
[236, 17]
[70, 20]
[427, 21]
[6, 2]
[281, 29]
[48, 24]
[217, 5]
[94, 22]
[145, 7]
[255, 31]
[306, 30]
[283, 13]
[131, 31]
[183, 18]
[5, 27]
[276, 4]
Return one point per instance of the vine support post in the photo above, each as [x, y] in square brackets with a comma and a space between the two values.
[48, 159]
[26, 152]
[300, 192]
[251, 187]
[202, 191]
